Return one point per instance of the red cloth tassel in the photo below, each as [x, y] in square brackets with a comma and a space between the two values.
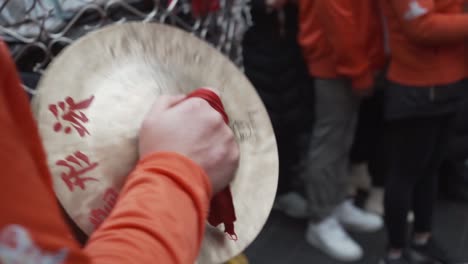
[222, 208]
[203, 7]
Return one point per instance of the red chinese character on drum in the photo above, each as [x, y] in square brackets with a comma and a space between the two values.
[98, 215]
[70, 112]
[78, 166]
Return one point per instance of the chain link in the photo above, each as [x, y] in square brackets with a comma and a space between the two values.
[36, 30]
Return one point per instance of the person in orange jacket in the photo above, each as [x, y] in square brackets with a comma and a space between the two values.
[343, 45]
[427, 83]
[161, 212]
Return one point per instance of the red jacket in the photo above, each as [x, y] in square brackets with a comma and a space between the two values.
[427, 40]
[342, 38]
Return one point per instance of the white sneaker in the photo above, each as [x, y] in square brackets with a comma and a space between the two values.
[357, 219]
[292, 204]
[410, 217]
[330, 237]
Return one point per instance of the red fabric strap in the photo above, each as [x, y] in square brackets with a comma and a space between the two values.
[203, 7]
[222, 208]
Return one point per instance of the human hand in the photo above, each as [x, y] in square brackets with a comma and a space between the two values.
[364, 85]
[275, 4]
[192, 128]
[364, 92]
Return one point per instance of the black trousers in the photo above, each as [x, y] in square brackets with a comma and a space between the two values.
[274, 64]
[415, 149]
[368, 141]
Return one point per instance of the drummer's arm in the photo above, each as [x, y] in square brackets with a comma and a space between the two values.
[159, 217]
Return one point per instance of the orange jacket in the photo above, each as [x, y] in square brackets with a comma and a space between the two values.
[159, 216]
[342, 38]
[427, 40]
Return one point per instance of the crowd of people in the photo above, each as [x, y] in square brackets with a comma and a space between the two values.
[392, 71]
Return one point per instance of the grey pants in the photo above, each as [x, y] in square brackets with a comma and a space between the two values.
[326, 167]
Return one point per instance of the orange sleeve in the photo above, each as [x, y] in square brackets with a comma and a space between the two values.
[339, 23]
[422, 23]
[27, 202]
[160, 215]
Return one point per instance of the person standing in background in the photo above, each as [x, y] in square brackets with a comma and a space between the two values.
[427, 84]
[367, 152]
[274, 64]
[343, 44]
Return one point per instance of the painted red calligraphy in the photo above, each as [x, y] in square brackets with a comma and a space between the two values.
[71, 112]
[110, 197]
[78, 165]
[98, 215]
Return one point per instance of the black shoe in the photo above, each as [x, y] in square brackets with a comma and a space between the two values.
[433, 251]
